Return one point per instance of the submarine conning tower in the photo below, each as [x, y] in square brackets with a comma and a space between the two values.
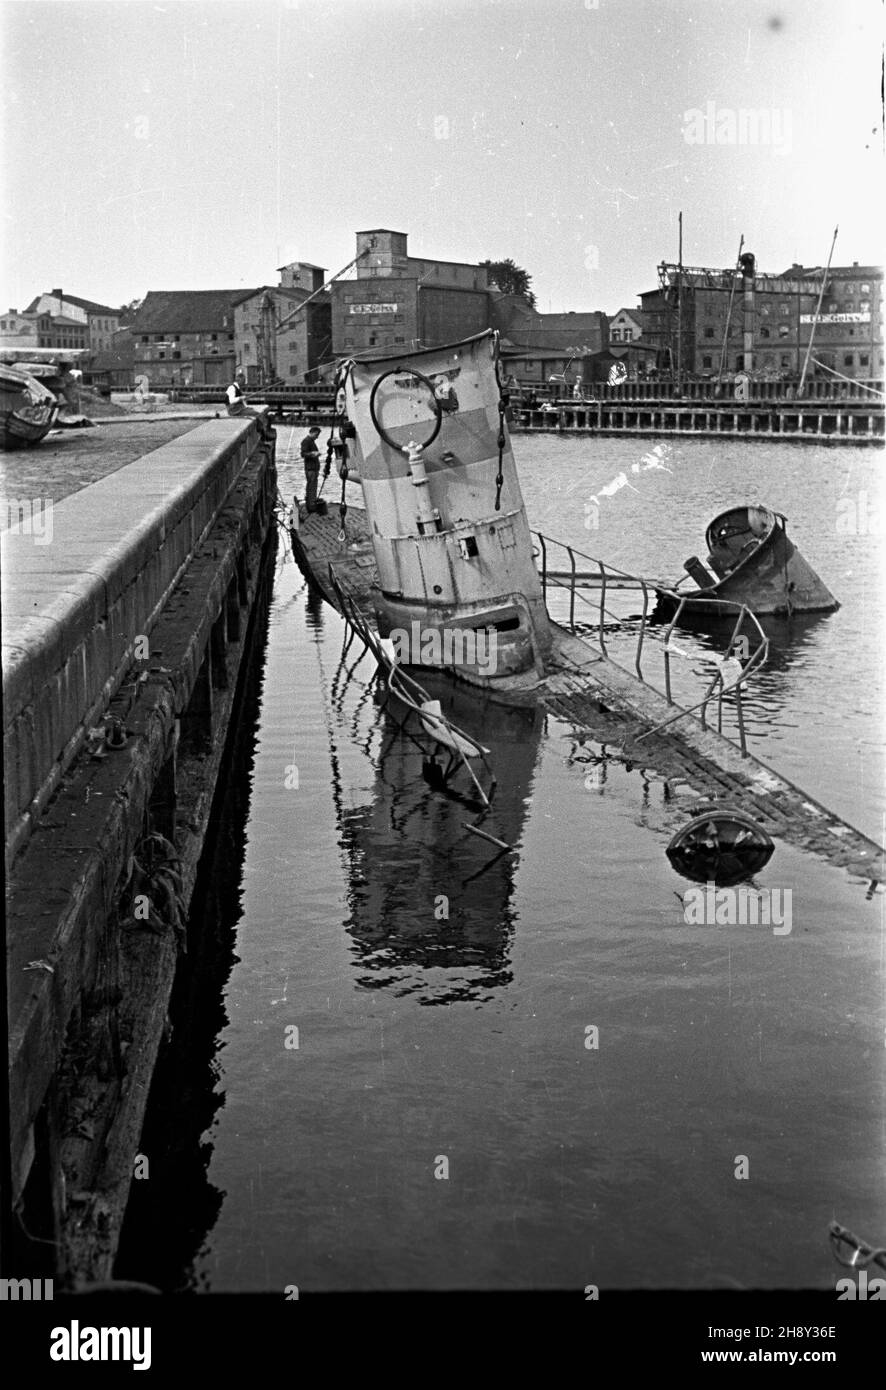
[443, 500]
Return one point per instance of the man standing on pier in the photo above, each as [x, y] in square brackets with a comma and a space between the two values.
[311, 457]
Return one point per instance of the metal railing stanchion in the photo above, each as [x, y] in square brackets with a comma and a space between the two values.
[638, 656]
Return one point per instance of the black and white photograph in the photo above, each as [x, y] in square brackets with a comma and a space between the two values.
[444, 756]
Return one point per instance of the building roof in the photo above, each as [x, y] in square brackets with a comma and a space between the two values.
[88, 304]
[635, 314]
[558, 332]
[292, 291]
[855, 272]
[695, 278]
[572, 320]
[305, 265]
[543, 354]
[435, 260]
[510, 301]
[556, 340]
[188, 311]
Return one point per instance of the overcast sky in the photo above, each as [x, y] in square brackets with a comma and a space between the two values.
[188, 144]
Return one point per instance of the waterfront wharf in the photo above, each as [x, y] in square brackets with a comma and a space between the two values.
[124, 636]
[834, 422]
[838, 412]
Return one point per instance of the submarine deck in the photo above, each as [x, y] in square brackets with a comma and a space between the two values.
[608, 703]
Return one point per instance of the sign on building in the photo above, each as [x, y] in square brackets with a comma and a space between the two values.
[835, 318]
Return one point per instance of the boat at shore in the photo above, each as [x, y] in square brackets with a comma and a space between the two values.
[29, 408]
[751, 560]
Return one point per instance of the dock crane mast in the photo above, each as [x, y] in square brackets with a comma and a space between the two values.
[269, 327]
[266, 341]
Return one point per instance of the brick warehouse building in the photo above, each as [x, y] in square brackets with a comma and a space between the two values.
[186, 337]
[274, 338]
[398, 299]
[771, 324]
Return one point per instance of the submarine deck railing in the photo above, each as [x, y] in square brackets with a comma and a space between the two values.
[610, 576]
[400, 684]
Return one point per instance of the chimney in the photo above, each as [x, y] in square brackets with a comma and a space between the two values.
[57, 293]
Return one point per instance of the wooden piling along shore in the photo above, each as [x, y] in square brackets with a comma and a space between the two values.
[829, 412]
[845, 422]
[116, 752]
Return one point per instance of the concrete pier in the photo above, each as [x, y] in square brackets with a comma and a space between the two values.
[123, 637]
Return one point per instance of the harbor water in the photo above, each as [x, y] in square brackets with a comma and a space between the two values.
[401, 1062]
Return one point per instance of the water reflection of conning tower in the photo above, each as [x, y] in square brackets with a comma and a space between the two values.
[408, 850]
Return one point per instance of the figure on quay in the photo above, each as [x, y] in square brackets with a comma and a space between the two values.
[311, 459]
[236, 395]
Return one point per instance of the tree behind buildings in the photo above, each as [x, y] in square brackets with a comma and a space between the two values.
[510, 279]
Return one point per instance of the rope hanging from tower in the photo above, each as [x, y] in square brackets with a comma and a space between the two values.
[504, 401]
